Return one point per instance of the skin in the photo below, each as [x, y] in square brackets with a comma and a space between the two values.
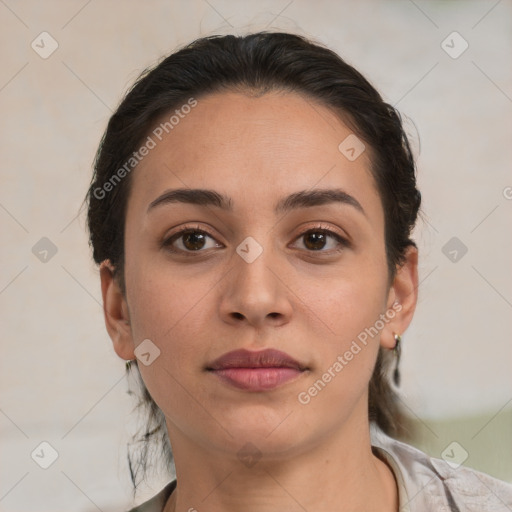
[309, 304]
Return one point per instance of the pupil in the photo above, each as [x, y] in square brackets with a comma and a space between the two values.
[192, 240]
[318, 240]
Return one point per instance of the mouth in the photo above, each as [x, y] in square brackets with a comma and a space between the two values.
[256, 371]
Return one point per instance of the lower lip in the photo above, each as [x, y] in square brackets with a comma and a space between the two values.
[257, 379]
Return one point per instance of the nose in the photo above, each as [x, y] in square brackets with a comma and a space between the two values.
[255, 292]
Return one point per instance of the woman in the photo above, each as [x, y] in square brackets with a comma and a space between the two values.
[251, 212]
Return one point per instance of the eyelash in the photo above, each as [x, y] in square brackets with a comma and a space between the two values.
[343, 242]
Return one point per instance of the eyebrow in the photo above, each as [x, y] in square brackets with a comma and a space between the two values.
[301, 199]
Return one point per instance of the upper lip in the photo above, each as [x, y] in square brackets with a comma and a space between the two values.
[268, 358]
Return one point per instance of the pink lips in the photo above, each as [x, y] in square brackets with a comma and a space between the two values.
[256, 371]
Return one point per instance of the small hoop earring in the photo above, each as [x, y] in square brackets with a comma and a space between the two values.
[398, 352]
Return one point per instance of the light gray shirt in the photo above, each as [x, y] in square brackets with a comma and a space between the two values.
[428, 484]
[425, 484]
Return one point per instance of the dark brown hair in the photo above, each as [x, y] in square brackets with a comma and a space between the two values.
[257, 63]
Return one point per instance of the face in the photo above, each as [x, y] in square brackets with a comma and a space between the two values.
[305, 277]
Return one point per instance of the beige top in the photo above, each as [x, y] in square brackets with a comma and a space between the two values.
[425, 484]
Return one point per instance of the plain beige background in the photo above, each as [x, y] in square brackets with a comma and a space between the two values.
[61, 382]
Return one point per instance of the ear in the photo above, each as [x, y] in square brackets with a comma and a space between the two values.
[115, 310]
[402, 299]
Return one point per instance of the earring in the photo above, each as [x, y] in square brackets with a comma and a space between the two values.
[129, 364]
[398, 352]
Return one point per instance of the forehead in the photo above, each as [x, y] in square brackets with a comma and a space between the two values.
[253, 149]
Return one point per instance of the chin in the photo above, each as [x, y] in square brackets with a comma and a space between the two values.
[268, 430]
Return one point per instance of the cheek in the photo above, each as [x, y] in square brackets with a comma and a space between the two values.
[344, 352]
[164, 297]
[344, 328]
[174, 313]
[343, 303]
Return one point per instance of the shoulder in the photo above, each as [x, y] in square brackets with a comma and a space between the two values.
[434, 484]
[157, 502]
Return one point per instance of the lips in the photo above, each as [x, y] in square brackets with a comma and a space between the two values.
[256, 371]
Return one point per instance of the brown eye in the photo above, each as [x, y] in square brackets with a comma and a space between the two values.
[315, 240]
[193, 240]
[318, 239]
[189, 240]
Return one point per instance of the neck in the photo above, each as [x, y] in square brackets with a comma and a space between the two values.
[339, 472]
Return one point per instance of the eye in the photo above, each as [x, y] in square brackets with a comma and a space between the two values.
[190, 239]
[317, 239]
